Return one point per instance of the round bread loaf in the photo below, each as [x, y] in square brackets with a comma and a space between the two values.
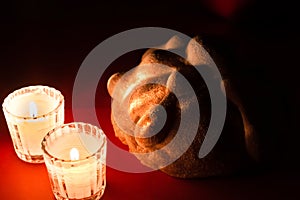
[236, 147]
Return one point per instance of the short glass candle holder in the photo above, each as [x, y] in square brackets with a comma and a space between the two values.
[31, 112]
[75, 157]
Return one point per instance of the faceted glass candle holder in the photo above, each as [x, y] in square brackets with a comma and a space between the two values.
[75, 157]
[31, 112]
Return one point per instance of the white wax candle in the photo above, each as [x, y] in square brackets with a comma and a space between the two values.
[31, 120]
[79, 177]
[20, 105]
[80, 180]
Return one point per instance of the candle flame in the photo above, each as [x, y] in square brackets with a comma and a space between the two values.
[33, 109]
[74, 154]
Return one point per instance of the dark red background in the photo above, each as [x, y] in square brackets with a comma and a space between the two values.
[46, 42]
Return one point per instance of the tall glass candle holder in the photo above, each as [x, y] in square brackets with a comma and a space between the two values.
[75, 157]
[31, 112]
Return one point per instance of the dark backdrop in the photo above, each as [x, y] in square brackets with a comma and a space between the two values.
[45, 42]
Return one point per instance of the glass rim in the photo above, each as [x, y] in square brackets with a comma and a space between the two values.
[52, 157]
[32, 88]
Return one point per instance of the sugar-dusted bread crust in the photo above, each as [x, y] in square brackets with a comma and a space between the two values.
[234, 148]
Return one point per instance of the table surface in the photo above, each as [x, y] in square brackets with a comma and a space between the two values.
[46, 42]
[21, 180]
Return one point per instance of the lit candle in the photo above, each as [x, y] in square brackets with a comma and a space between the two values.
[75, 156]
[30, 113]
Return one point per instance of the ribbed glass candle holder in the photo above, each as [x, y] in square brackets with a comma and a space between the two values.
[75, 157]
[31, 112]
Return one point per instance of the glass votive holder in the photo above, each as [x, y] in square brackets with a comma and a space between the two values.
[75, 157]
[31, 112]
